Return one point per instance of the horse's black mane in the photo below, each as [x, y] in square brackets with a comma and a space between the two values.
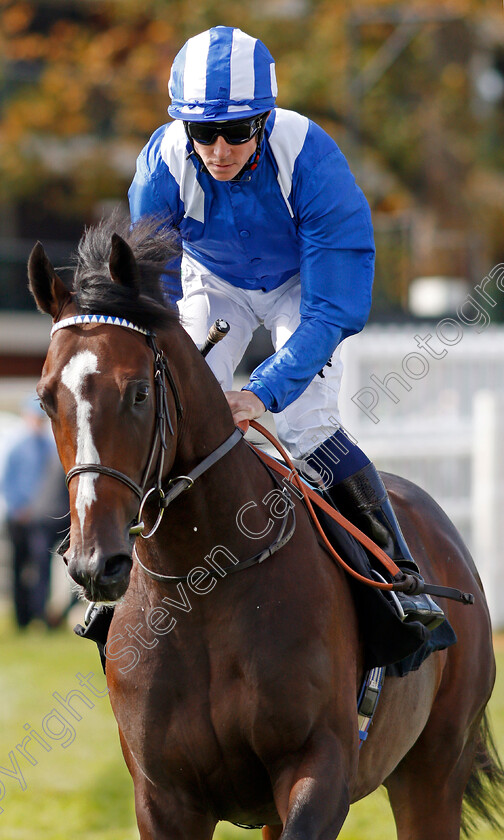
[153, 246]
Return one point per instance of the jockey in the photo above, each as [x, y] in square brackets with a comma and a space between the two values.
[275, 231]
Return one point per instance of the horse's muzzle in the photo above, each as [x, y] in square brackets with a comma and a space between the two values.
[105, 579]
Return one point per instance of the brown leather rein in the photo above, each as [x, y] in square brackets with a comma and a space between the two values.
[309, 495]
[402, 581]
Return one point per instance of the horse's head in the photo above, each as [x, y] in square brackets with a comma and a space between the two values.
[98, 388]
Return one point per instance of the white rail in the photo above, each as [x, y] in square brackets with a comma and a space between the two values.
[444, 430]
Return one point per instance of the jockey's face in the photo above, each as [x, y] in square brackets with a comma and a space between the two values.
[224, 161]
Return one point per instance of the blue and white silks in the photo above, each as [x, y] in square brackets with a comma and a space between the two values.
[222, 74]
[300, 211]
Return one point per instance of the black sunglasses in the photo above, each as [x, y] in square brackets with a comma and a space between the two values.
[235, 132]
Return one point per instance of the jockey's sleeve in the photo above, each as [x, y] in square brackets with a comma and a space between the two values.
[336, 269]
[155, 192]
[284, 376]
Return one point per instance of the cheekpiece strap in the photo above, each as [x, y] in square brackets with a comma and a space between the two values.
[110, 320]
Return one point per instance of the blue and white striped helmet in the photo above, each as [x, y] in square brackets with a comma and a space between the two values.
[222, 74]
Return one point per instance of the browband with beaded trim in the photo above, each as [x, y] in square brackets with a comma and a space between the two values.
[111, 320]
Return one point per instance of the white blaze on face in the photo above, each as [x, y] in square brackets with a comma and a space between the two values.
[73, 376]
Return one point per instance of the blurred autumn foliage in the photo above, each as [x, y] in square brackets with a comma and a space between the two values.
[409, 90]
[82, 83]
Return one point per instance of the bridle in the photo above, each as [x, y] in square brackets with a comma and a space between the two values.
[176, 486]
[162, 375]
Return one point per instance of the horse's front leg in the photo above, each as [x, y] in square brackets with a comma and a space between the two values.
[165, 813]
[312, 793]
[271, 832]
[161, 813]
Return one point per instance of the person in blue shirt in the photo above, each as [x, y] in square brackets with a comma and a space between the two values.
[31, 507]
[274, 231]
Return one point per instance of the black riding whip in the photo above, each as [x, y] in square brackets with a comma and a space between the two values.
[215, 334]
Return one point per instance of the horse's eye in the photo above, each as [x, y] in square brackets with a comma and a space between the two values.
[46, 401]
[141, 394]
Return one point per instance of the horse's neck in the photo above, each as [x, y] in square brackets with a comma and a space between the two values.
[206, 420]
[204, 515]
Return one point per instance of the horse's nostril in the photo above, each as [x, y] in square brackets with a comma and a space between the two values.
[104, 578]
[116, 567]
[77, 574]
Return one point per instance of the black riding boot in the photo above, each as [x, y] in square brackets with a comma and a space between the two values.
[363, 499]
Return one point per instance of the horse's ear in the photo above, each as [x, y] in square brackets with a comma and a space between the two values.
[47, 288]
[123, 265]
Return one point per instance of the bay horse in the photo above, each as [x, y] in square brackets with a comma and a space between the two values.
[235, 693]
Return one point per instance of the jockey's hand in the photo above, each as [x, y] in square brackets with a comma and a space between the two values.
[245, 406]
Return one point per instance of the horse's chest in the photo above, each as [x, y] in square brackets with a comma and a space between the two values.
[212, 710]
[197, 736]
[206, 714]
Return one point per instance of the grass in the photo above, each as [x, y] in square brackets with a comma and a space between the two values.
[80, 788]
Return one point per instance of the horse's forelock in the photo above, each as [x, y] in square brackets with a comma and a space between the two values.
[153, 246]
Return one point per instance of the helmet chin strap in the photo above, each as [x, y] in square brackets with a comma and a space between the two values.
[253, 160]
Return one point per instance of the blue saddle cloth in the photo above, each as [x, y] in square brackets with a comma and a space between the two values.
[439, 639]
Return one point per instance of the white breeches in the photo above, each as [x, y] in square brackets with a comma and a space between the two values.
[314, 416]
